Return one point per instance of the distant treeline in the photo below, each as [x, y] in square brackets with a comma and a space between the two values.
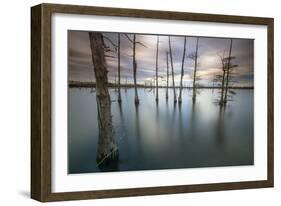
[72, 84]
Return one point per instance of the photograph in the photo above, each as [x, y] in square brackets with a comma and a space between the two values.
[133, 102]
[156, 101]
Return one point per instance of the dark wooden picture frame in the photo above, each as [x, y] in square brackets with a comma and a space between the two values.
[41, 101]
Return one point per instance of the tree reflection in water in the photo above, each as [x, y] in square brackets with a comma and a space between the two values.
[163, 135]
[220, 125]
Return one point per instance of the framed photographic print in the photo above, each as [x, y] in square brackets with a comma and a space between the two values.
[132, 102]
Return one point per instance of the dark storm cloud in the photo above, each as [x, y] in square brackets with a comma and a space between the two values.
[209, 49]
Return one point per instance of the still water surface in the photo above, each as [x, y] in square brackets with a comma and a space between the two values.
[163, 136]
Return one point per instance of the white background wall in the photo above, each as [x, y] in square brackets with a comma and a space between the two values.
[15, 102]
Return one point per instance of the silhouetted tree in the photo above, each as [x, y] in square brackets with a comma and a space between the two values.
[228, 70]
[172, 66]
[194, 56]
[220, 78]
[225, 80]
[126, 83]
[182, 70]
[156, 68]
[167, 88]
[134, 42]
[119, 90]
[135, 70]
[115, 84]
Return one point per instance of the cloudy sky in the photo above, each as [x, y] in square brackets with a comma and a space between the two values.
[80, 66]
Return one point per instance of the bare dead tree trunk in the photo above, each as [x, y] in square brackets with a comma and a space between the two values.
[172, 66]
[223, 67]
[137, 101]
[182, 71]
[167, 61]
[195, 70]
[222, 85]
[115, 83]
[227, 72]
[126, 84]
[107, 146]
[157, 98]
[119, 90]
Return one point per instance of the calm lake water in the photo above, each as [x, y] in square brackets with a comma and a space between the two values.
[163, 136]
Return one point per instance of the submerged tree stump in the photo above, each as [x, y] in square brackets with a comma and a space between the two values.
[107, 147]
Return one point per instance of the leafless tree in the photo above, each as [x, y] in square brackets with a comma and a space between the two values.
[119, 89]
[126, 83]
[167, 88]
[135, 42]
[194, 56]
[182, 70]
[220, 78]
[225, 80]
[172, 66]
[156, 68]
[115, 83]
[228, 72]
[107, 146]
